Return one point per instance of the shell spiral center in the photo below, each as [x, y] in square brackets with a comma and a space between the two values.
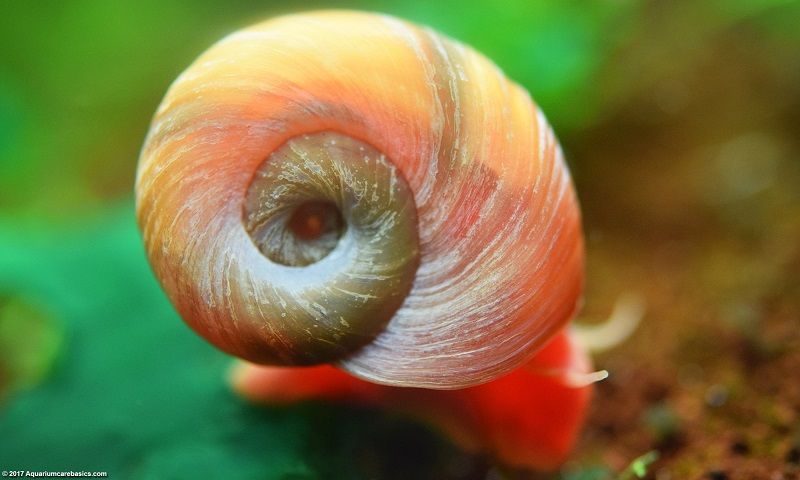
[336, 202]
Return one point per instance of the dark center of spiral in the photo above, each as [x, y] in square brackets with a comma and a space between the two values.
[295, 211]
[316, 221]
[317, 227]
[301, 235]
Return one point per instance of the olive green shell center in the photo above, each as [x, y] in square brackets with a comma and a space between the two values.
[332, 200]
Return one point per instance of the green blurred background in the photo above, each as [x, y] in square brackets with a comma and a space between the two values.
[681, 124]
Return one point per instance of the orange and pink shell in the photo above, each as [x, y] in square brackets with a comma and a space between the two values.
[351, 189]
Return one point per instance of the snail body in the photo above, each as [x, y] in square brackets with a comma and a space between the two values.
[348, 188]
[527, 419]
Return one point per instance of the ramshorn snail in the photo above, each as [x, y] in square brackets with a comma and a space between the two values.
[348, 188]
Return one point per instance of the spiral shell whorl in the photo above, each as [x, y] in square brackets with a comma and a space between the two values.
[500, 248]
[371, 267]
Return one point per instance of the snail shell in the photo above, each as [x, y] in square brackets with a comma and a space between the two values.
[341, 187]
